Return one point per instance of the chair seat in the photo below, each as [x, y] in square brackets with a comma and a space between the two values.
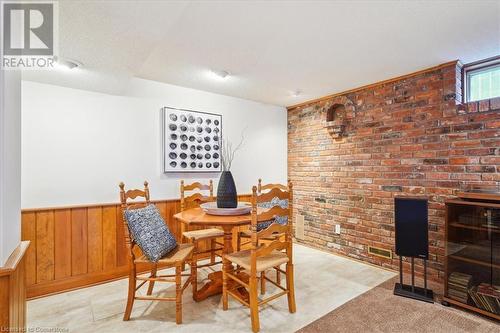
[203, 233]
[242, 258]
[177, 255]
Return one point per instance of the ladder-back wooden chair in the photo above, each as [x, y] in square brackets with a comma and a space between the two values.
[194, 198]
[244, 237]
[246, 234]
[175, 258]
[263, 256]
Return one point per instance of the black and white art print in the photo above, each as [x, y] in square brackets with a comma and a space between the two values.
[192, 141]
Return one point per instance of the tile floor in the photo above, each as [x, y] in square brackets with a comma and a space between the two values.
[322, 282]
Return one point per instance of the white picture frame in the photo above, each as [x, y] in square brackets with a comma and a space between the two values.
[191, 141]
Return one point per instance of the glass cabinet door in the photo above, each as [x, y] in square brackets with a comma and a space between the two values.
[473, 256]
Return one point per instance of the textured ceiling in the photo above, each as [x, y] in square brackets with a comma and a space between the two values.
[271, 48]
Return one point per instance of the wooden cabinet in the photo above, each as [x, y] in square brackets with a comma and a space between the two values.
[472, 263]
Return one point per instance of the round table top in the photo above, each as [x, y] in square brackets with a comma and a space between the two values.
[196, 216]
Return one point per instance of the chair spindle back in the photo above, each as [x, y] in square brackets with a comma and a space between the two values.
[265, 187]
[259, 214]
[196, 198]
[125, 204]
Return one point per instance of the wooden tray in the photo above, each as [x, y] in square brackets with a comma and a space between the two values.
[212, 209]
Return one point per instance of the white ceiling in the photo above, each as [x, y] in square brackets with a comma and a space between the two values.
[271, 48]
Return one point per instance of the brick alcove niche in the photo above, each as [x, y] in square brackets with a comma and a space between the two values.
[338, 113]
[349, 155]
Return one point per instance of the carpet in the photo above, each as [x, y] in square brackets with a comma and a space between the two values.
[378, 310]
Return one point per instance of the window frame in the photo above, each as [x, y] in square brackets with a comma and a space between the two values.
[475, 67]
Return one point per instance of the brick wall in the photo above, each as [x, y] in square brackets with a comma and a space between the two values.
[407, 137]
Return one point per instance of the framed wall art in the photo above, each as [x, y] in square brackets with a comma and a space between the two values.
[191, 141]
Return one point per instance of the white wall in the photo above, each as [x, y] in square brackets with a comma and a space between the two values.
[10, 163]
[78, 145]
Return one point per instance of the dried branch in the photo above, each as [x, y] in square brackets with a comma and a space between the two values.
[228, 152]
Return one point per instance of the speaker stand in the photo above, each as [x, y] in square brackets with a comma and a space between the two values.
[412, 291]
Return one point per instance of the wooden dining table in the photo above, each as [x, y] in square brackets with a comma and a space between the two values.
[197, 217]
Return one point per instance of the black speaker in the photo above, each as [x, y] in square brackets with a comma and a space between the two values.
[411, 218]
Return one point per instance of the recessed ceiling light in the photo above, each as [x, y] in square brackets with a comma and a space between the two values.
[296, 93]
[219, 74]
[67, 64]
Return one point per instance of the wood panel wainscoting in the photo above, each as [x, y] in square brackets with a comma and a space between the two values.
[78, 246]
[13, 291]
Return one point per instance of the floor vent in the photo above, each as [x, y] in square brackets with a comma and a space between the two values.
[379, 252]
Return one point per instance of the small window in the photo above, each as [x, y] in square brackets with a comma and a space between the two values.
[482, 80]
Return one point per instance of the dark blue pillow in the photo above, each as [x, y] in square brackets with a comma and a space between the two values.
[150, 232]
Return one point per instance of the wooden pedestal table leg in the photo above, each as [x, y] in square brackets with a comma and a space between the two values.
[225, 266]
[232, 285]
[214, 286]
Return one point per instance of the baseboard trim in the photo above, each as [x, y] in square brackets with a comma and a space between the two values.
[344, 256]
[55, 287]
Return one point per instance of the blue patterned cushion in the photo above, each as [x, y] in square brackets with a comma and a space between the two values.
[283, 220]
[150, 232]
